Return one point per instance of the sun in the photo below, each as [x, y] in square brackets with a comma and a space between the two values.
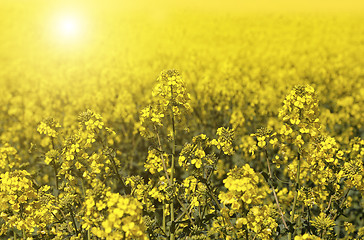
[68, 27]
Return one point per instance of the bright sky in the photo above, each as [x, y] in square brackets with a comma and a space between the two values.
[73, 24]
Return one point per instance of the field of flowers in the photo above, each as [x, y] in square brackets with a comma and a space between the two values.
[189, 120]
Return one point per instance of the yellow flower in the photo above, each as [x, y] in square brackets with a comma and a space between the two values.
[224, 140]
[155, 160]
[323, 223]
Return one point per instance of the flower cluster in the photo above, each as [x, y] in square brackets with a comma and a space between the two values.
[69, 152]
[22, 206]
[91, 123]
[171, 92]
[141, 191]
[170, 98]
[8, 157]
[49, 127]
[161, 189]
[52, 157]
[244, 188]
[156, 161]
[95, 205]
[309, 196]
[353, 169]
[300, 107]
[323, 160]
[306, 236]
[261, 220]
[152, 114]
[195, 153]
[124, 219]
[323, 223]
[300, 115]
[195, 191]
[263, 136]
[224, 140]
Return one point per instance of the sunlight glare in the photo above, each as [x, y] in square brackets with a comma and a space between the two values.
[68, 26]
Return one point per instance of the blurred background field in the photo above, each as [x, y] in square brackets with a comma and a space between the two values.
[238, 60]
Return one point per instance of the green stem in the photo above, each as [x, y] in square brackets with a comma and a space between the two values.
[83, 187]
[341, 204]
[245, 213]
[84, 197]
[218, 205]
[52, 141]
[161, 150]
[73, 220]
[185, 212]
[55, 170]
[118, 175]
[172, 163]
[295, 194]
[56, 178]
[164, 218]
[274, 192]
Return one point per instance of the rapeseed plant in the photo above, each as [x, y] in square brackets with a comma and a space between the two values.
[261, 137]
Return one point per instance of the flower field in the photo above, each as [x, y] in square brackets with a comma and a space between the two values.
[181, 120]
